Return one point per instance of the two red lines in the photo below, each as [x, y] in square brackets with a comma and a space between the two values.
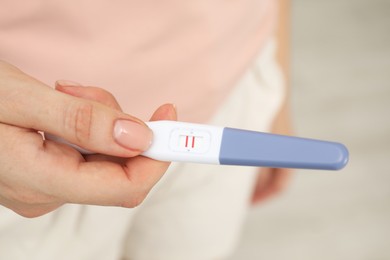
[193, 141]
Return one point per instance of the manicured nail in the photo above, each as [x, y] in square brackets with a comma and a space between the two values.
[67, 83]
[174, 108]
[132, 135]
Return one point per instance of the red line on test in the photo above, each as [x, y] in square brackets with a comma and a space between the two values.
[193, 141]
[187, 141]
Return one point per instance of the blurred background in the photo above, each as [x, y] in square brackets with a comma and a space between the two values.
[341, 91]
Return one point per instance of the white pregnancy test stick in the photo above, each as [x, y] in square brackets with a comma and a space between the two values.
[197, 143]
[187, 142]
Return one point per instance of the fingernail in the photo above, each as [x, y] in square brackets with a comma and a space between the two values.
[132, 135]
[67, 83]
[174, 108]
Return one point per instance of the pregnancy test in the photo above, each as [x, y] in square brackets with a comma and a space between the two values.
[196, 143]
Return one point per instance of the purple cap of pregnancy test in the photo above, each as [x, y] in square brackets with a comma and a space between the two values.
[242, 147]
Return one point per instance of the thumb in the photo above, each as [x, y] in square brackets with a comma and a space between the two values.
[31, 104]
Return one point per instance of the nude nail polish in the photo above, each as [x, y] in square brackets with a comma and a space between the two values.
[132, 135]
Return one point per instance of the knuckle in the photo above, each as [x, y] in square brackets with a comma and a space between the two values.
[25, 205]
[135, 200]
[78, 119]
[30, 213]
[31, 205]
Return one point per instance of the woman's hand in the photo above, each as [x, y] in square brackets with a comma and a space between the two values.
[37, 176]
[270, 182]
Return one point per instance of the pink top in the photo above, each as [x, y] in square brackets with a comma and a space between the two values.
[187, 52]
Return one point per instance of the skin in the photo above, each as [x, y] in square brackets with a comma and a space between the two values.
[37, 176]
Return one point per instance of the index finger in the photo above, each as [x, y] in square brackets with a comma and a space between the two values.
[28, 103]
